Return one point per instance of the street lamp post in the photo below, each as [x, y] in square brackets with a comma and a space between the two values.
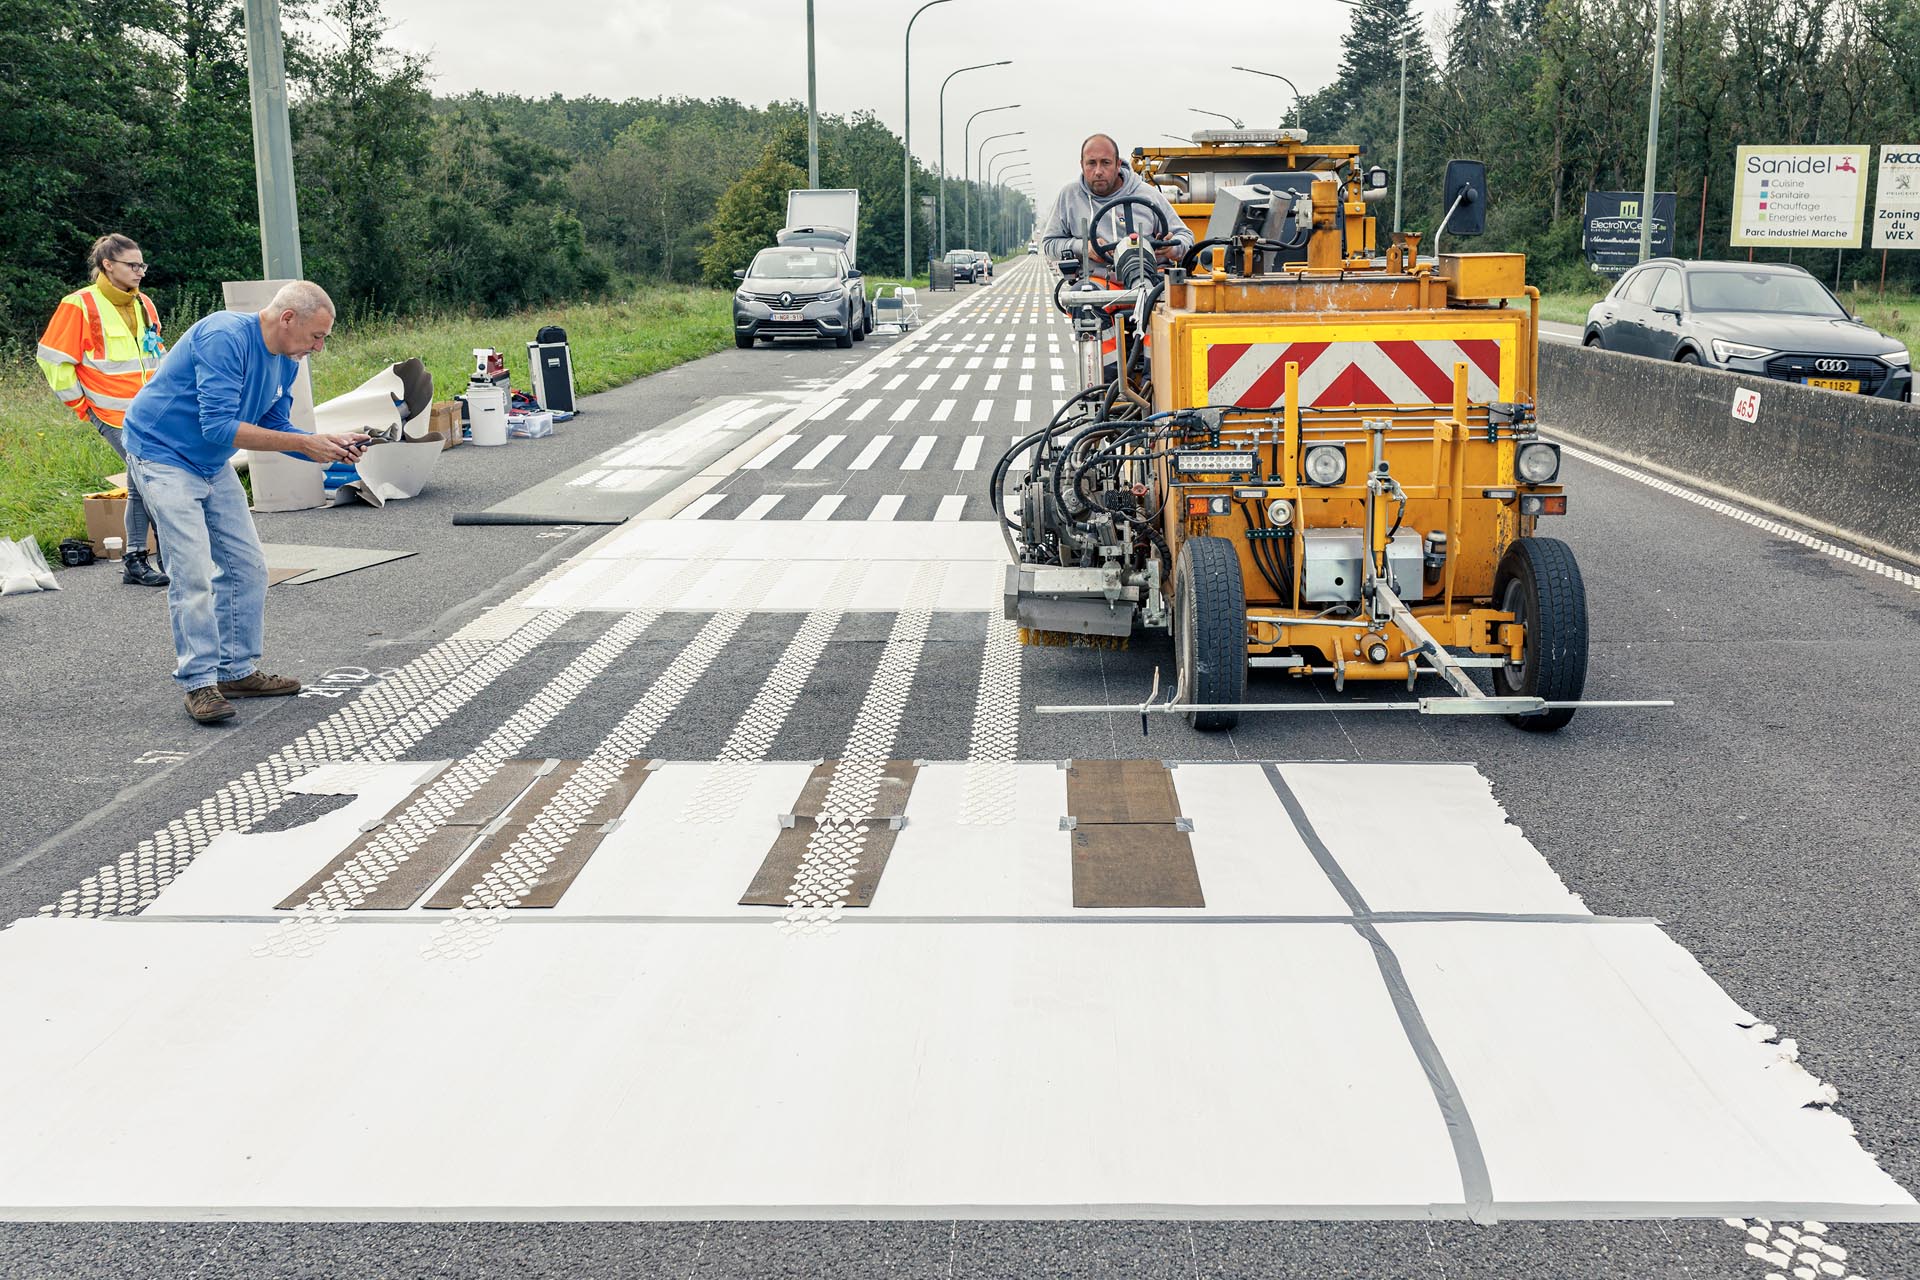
[906, 145]
[1223, 115]
[1274, 75]
[943, 142]
[966, 136]
[1004, 174]
[813, 112]
[1653, 135]
[994, 159]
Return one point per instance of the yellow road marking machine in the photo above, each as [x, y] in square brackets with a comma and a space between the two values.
[1295, 451]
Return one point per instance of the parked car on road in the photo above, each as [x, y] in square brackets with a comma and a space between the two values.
[961, 260]
[1766, 319]
[800, 292]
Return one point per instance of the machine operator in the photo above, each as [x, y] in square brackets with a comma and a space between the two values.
[1102, 177]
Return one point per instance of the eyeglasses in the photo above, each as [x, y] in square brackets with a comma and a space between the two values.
[138, 268]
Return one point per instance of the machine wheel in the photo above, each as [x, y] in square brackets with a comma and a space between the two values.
[744, 341]
[1210, 630]
[1539, 584]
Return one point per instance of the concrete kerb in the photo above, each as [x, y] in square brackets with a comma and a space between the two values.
[1843, 464]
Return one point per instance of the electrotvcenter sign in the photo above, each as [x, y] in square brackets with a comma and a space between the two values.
[1896, 200]
[1799, 196]
[1610, 232]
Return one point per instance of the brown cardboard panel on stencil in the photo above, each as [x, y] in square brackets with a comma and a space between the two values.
[411, 878]
[497, 793]
[890, 798]
[871, 842]
[1134, 865]
[1121, 791]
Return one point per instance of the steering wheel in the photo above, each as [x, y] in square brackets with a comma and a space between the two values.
[1105, 248]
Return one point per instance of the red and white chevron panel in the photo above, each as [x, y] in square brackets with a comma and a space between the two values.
[1349, 373]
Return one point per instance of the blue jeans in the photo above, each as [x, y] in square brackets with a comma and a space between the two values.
[136, 509]
[218, 596]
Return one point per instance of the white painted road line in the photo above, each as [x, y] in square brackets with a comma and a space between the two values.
[982, 411]
[917, 456]
[700, 506]
[866, 407]
[951, 507]
[825, 506]
[760, 506]
[905, 410]
[944, 408]
[888, 507]
[828, 409]
[969, 457]
[870, 454]
[818, 453]
[769, 453]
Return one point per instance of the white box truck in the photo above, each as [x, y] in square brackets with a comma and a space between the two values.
[830, 216]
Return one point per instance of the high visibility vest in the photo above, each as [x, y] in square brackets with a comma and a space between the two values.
[90, 359]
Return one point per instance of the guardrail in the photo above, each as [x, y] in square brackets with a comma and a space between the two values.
[1846, 462]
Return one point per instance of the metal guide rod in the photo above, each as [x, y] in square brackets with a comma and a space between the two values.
[1483, 706]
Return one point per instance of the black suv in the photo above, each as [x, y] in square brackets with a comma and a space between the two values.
[1766, 319]
[800, 292]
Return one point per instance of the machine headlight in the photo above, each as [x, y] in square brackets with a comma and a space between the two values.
[1537, 462]
[1325, 464]
[1724, 351]
[1280, 512]
[1901, 358]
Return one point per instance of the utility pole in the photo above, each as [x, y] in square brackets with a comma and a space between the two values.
[272, 143]
[943, 143]
[906, 145]
[1653, 134]
[813, 112]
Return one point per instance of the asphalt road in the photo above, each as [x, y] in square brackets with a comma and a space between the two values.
[1766, 821]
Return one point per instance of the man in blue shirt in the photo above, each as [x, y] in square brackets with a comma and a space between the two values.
[225, 386]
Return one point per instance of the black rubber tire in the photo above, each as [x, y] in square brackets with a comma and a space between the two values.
[1593, 340]
[1539, 583]
[744, 341]
[860, 332]
[1687, 357]
[1210, 630]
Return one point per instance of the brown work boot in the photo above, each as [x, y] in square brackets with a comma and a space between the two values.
[260, 685]
[206, 705]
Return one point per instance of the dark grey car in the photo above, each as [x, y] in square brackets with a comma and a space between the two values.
[1765, 319]
[799, 292]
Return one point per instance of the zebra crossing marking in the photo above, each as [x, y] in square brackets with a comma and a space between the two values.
[760, 506]
[824, 506]
[952, 507]
[769, 453]
[969, 458]
[874, 448]
[904, 411]
[943, 409]
[917, 456]
[888, 507]
[819, 452]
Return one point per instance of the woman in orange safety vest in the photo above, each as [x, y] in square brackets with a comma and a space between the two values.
[103, 345]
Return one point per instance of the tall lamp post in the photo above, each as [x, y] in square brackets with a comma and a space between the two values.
[906, 145]
[1274, 75]
[993, 161]
[966, 151]
[1221, 114]
[1004, 174]
[813, 112]
[1653, 137]
[979, 152]
[943, 141]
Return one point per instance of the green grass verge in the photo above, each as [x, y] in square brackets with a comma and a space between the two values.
[48, 458]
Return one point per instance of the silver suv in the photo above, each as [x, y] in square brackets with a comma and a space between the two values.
[799, 291]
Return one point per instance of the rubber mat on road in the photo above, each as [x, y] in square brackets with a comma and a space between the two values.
[524, 826]
[814, 827]
[1129, 846]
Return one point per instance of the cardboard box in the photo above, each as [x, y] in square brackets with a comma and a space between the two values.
[106, 516]
[445, 419]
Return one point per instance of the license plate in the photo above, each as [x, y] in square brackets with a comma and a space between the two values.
[1835, 384]
[786, 315]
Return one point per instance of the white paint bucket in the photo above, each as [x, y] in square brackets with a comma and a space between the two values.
[487, 413]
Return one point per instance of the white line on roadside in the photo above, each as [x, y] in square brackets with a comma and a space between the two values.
[875, 447]
[951, 507]
[760, 506]
[917, 456]
[888, 507]
[825, 506]
[905, 411]
[769, 453]
[969, 457]
[818, 453]
[700, 506]
[866, 407]
[982, 411]
[944, 408]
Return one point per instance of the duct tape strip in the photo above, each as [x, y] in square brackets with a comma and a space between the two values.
[1476, 1184]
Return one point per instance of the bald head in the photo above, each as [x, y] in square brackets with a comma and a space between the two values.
[1100, 164]
[296, 323]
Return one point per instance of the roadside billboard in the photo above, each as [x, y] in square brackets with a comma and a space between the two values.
[1610, 232]
[1896, 199]
[1799, 196]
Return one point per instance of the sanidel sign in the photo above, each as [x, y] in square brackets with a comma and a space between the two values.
[1799, 196]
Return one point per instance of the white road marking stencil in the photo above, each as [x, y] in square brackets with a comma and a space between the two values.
[635, 564]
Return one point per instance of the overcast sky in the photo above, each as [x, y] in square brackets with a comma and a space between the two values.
[1132, 68]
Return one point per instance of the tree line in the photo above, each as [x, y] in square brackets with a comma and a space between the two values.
[134, 117]
[1553, 95]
